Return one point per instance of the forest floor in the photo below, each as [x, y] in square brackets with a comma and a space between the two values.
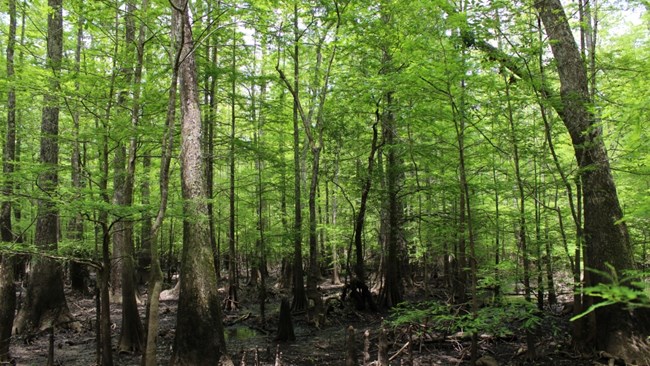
[251, 341]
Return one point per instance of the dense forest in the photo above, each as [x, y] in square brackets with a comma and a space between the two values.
[461, 169]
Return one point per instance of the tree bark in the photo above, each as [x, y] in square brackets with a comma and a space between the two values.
[75, 225]
[233, 278]
[7, 288]
[149, 357]
[606, 236]
[132, 331]
[606, 239]
[199, 328]
[521, 234]
[299, 297]
[392, 289]
[359, 220]
[209, 123]
[45, 304]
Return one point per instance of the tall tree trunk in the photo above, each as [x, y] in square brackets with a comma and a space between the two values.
[7, 288]
[132, 332]
[232, 302]
[299, 296]
[149, 357]
[75, 225]
[314, 135]
[199, 338]
[392, 290]
[497, 232]
[104, 240]
[549, 263]
[334, 214]
[7, 305]
[391, 293]
[473, 271]
[209, 123]
[286, 275]
[521, 234]
[538, 236]
[360, 219]
[104, 336]
[606, 236]
[45, 304]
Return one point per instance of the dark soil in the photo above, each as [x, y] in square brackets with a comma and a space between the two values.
[250, 339]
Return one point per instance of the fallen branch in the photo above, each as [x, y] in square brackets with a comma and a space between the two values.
[237, 320]
[399, 351]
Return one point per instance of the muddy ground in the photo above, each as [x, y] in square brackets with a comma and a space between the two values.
[251, 341]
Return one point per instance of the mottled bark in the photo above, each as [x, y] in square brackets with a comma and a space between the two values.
[199, 336]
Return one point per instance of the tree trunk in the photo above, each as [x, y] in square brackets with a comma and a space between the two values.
[149, 357]
[521, 234]
[7, 305]
[104, 274]
[298, 289]
[260, 244]
[132, 332]
[75, 226]
[7, 288]
[233, 278]
[314, 136]
[359, 220]
[336, 279]
[548, 263]
[285, 323]
[359, 282]
[211, 102]
[606, 235]
[199, 336]
[392, 290]
[45, 305]
[497, 232]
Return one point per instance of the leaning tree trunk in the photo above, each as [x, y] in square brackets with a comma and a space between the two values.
[45, 305]
[606, 236]
[606, 239]
[199, 329]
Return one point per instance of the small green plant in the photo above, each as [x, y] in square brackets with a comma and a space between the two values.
[503, 320]
[433, 313]
[629, 290]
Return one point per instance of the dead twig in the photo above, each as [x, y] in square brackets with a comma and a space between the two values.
[399, 351]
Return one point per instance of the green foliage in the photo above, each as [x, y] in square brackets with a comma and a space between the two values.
[630, 290]
[506, 319]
